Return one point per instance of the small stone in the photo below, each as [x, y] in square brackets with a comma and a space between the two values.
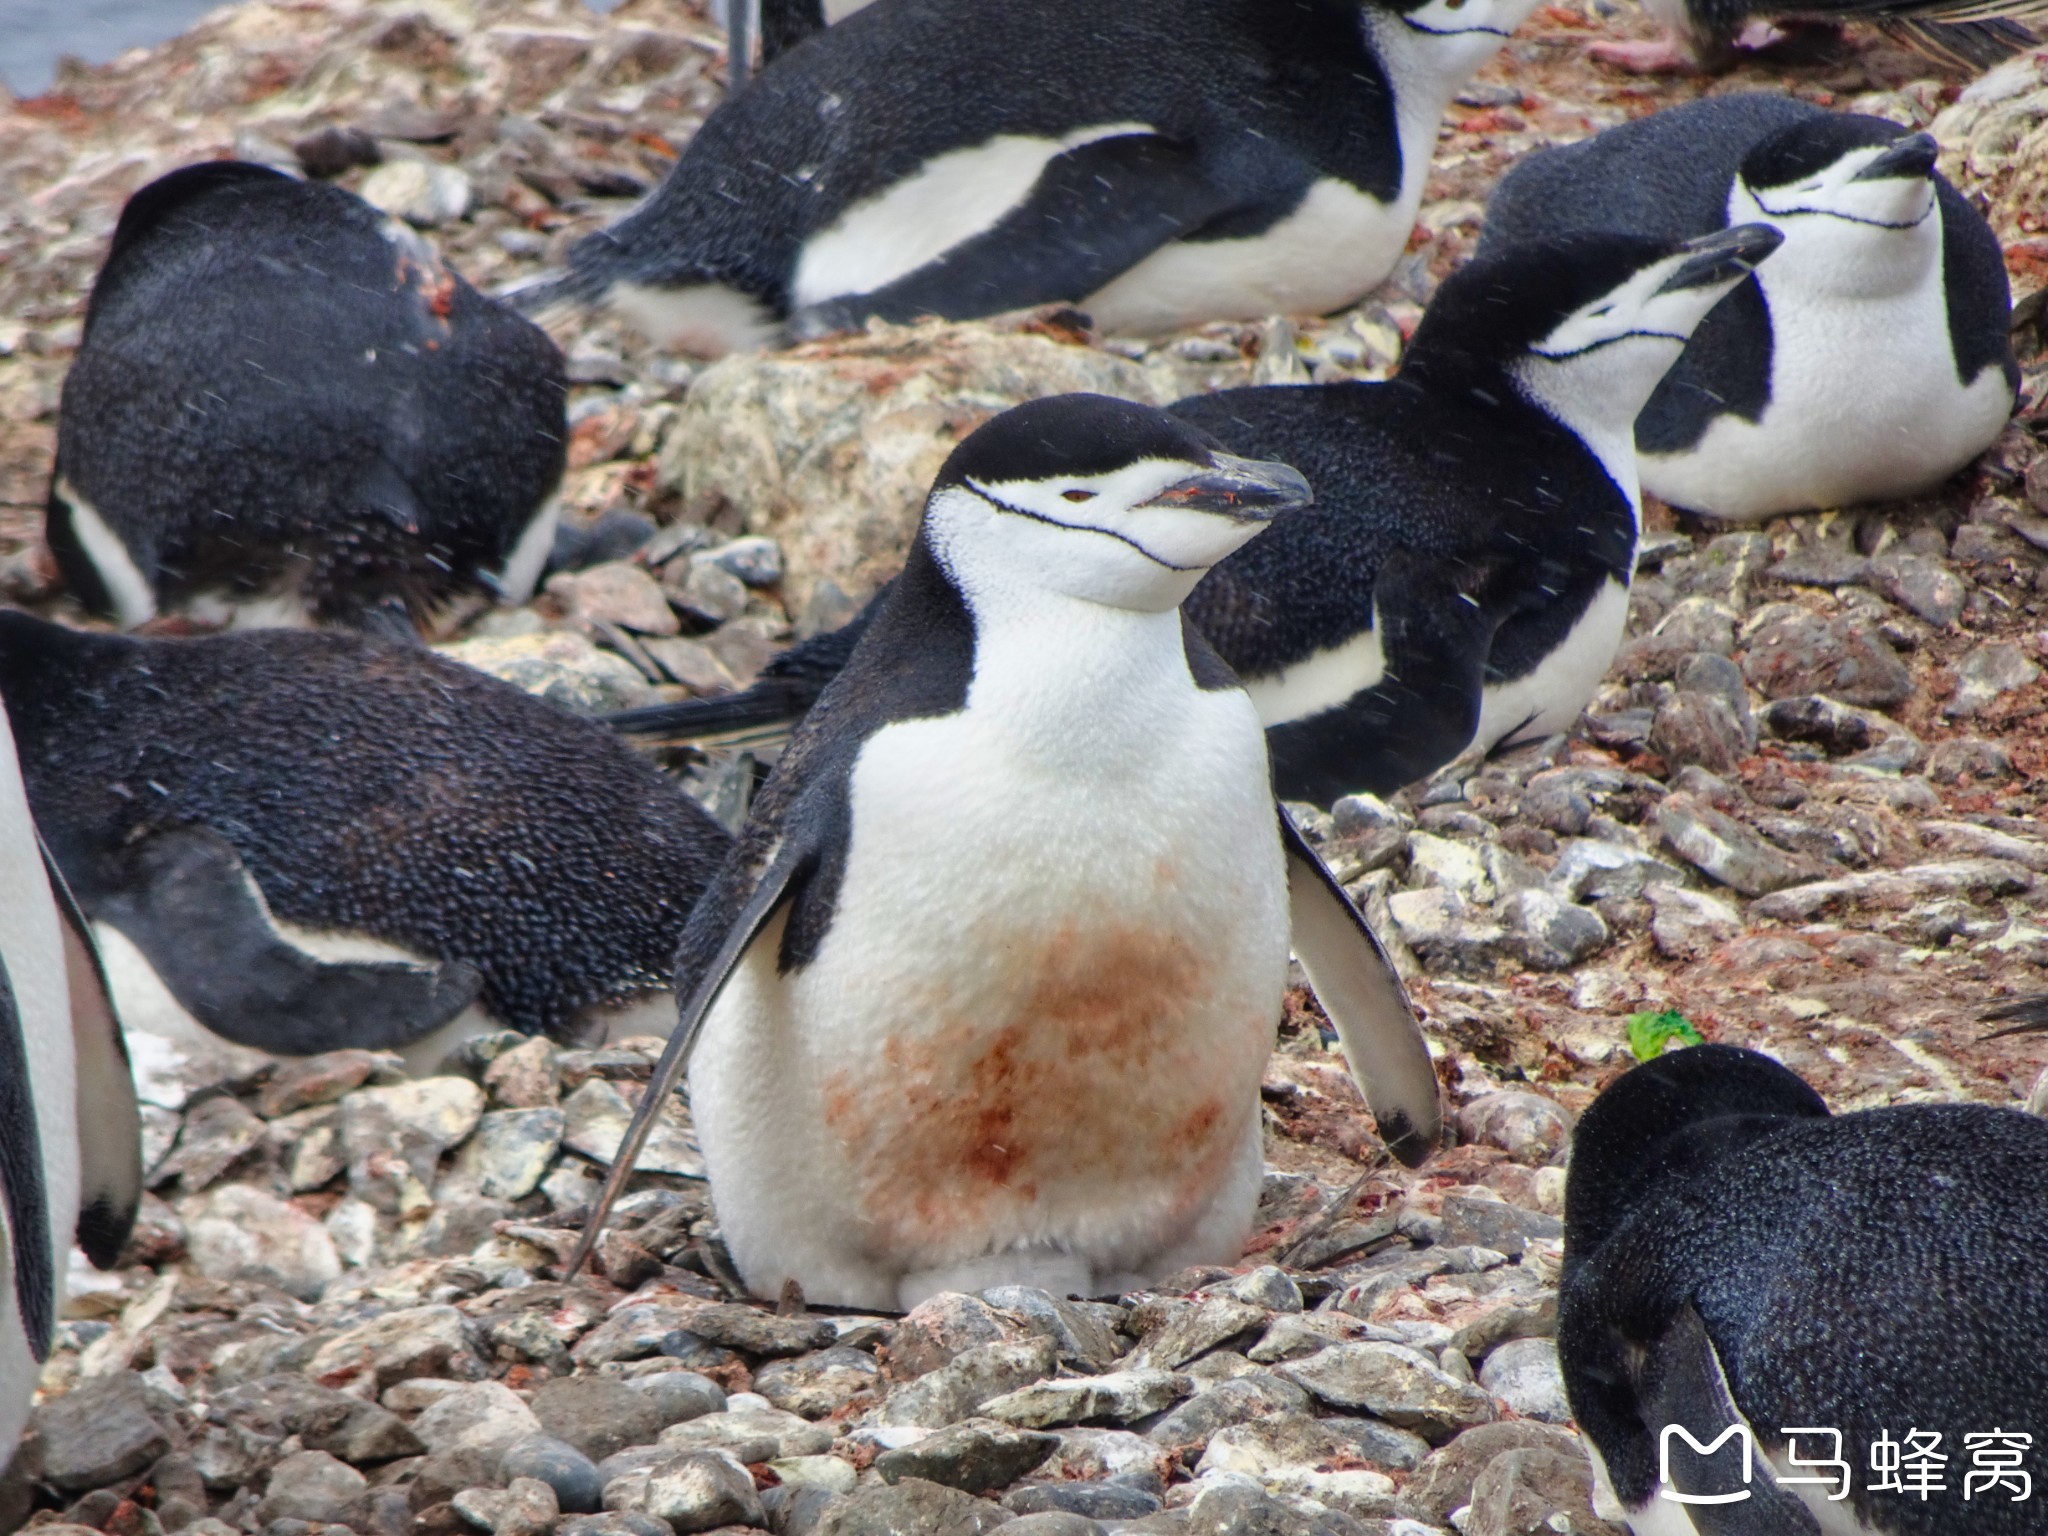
[1195, 1330]
[1233, 1508]
[1993, 668]
[1693, 626]
[596, 1416]
[1686, 923]
[318, 1079]
[1898, 889]
[818, 1385]
[529, 1509]
[1437, 861]
[1837, 727]
[1269, 1287]
[1084, 1332]
[218, 1133]
[1567, 799]
[1528, 1127]
[1093, 1454]
[1927, 587]
[1723, 848]
[98, 1433]
[1524, 1374]
[243, 1233]
[620, 1522]
[562, 665]
[692, 1491]
[310, 1485]
[829, 1472]
[1495, 1224]
[1553, 934]
[1401, 1385]
[912, 1507]
[680, 1395]
[1255, 1395]
[597, 1115]
[389, 1132]
[1439, 924]
[481, 1415]
[1971, 759]
[1054, 1522]
[512, 1151]
[711, 591]
[572, 1476]
[1700, 728]
[1590, 867]
[1790, 651]
[754, 1332]
[939, 1329]
[329, 151]
[421, 192]
[525, 1077]
[750, 1434]
[1526, 1492]
[1444, 1481]
[756, 561]
[1117, 1398]
[1091, 1501]
[618, 592]
[973, 1456]
[971, 1378]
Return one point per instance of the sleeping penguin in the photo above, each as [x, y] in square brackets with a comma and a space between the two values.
[285, 407]
[311, 839]
[1184, 161]
[1866, 361]
[1837, 1289]
[1462, 579]
[63, 1068]
[985, 992]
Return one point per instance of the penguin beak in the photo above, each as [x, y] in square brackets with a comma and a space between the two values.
[1725, 254]
[1243, 490]
[1911, 157]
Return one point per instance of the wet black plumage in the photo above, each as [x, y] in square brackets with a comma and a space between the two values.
[279, 385]
[1873, 1272]
[366, 787]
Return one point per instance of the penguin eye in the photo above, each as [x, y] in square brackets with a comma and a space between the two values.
[1454, 5]
[1077, 494]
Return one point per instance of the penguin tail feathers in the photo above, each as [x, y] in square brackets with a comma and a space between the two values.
[758, 716]
[548, 294]
[1966, 43]
[2024, 1016]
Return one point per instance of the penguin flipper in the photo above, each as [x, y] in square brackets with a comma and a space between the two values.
[1095, 212]
[1356, 984]
[110, 1159]
[191, 907]
[1683, 1384]
[781, 883]
[22, 1190]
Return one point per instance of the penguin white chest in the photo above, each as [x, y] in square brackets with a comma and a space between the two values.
[1865, 404]
[1030, 1044]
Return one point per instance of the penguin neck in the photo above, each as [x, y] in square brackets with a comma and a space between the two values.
[1423, 73]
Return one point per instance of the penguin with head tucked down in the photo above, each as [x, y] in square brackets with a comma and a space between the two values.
[985, 992]
[70, 1130]
[1868, 360]
[1160, 162]
[1739, 1263]
[311, 840]
[1462, 578]
[285, 407]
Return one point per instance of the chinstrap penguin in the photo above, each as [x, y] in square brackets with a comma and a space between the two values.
[70, 1130]
[1160, 162]
[1462, 579]
[1867, 360]
[315, 839]
[1736, 1259]
[285, 407]
[986, 990]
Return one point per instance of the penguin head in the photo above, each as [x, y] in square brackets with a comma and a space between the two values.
[1446, 39]
[1666, 1118]
[1584, 326]
[1098, 499]
[1855, 197]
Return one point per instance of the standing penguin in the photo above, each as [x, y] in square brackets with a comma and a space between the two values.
[63, 1068]
[987, 988]
[1867, 361]
[312, 840]
[1161, 162]
[285, 406]
[1462, 579]
[1840, 1292]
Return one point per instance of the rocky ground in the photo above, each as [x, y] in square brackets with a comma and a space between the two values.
[1802, 812]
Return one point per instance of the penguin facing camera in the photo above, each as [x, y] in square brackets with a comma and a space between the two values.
[285, 407]
[1740, 1262]
[1868, 360]
[1462, 579]
[63, 1068]
[985, 992]
[1184, 161]
[1702, 35]
[305, 840]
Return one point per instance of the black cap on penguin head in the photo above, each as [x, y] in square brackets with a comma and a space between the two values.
[1805, 149]
[1496, 307]
[1712, 1096]
[1077, 434]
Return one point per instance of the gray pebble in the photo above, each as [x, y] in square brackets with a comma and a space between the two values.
[579, 1490]
[680, 1395]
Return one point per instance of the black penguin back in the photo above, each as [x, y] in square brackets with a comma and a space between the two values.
[368, 788]
[276, 380]
[1874, 1272]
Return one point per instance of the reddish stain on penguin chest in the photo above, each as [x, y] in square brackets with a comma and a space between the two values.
[1095, 1071]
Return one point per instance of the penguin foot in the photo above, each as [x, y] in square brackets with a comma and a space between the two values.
[1668, 55]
